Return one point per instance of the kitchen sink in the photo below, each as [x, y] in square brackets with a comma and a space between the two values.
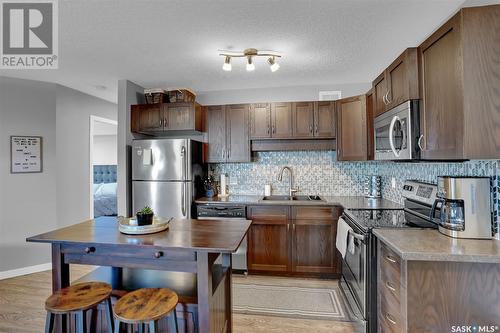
[293, 198]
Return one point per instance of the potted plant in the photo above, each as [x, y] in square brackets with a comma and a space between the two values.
[145, 216]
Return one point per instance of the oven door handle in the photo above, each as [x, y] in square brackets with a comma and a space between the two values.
[391, 139]
[357, 236]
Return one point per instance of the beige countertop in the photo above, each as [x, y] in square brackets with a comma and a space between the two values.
[430, 245]
[348, 202]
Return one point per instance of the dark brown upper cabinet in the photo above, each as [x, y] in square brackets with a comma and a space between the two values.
[325, 122]
[398, 83]
[460, 80]
[303, 119]
[156, 119]
[281, 120]
[370, 122]
[228, 133]
[260, 121]
[352, 129]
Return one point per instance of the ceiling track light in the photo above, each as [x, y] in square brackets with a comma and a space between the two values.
[227, 64]
[250, 54]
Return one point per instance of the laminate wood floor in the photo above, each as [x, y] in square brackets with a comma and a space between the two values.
[22, 306]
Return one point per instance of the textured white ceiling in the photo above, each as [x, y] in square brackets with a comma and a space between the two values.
[174, 43]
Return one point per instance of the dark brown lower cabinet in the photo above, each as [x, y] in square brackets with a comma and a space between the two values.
[434, 296]
[293, 240]
[268, 241]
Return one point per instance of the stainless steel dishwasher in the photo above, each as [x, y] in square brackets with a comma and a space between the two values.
[228, 212]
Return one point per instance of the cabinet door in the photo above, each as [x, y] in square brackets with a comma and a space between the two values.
[260, 121]
[370, 121]
[325, 122]
[303, 119]
[281, 125]
[147, 118]
[180, 116]
[313, 240]
[402, 79]
[351, 134]
[442, 115]
[380, 91]
[268, 239]
[237, 138]
[216, 132]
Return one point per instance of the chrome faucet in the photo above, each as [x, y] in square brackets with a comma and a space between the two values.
[280, 178]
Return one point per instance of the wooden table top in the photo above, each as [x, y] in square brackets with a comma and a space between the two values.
[221, 236]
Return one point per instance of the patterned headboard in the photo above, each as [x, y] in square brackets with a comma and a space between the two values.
[104, 174]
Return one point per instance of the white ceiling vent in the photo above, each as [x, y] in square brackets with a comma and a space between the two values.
[330, 95]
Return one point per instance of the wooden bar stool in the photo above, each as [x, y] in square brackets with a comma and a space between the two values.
[146, 306]
[77, 299]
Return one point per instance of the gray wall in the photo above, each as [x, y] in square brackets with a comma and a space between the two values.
[27, 201]
[74, 109]
[278, 94]
[60, 195]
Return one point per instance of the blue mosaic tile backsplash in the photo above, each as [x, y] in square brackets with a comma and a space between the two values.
[319, 172]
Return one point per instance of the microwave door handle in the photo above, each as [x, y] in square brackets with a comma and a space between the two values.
[391, 139]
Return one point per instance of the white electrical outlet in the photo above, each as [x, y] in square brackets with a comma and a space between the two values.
[393, 182]
[233, 180]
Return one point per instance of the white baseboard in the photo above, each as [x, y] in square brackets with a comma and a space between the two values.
[25, 270]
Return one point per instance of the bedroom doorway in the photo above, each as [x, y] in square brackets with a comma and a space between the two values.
[103, 163]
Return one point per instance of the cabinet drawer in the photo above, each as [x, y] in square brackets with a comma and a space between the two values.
[268, 213]
[389, 317]
[390, 262]
[136, 253]
[313, 213]
[390, 285]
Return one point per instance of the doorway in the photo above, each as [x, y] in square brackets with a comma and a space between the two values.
[103, 163]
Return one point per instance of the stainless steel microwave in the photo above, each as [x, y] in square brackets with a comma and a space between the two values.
[397, 133]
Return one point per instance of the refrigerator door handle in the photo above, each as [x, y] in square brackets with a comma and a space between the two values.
[183, 200]
[183, 163]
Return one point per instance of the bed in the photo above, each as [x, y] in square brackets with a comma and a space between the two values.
[104, 188]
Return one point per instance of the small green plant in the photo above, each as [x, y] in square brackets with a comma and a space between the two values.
[146, 211]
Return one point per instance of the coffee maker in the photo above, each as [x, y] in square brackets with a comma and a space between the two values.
[465, 207]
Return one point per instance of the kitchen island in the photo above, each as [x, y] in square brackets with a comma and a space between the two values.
[201, 248]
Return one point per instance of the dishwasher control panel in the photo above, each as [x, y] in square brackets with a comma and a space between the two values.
[219, 211]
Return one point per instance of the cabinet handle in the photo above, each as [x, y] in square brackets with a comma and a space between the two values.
[158, 254]
[228, 153]
[386, 101]
[288, 227]
[389, 101]
[310, 128]
[390, 286]
[223, 153]
[268, 130]
[316, 128]
[390, 259]
[420, 142]
[89, 249]
[389, 319]
[161, 122]
[274, 130]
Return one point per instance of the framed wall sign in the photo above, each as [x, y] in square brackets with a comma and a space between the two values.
[25, 154]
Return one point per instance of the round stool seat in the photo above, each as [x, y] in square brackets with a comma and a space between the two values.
[81, 296]
[145, 305]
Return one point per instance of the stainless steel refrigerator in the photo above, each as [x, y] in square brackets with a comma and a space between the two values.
[167, 176]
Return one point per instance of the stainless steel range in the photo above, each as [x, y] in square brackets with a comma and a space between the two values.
[359, 265]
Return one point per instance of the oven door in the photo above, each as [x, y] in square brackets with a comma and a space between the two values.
[393, 136]
[354, 269]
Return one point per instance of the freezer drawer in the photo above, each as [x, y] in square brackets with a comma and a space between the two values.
[167, 199]
[161, 159]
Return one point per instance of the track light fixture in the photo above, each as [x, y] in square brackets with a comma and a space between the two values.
[273, 65]
[250, 65]
[250, 54]
[227, 64]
